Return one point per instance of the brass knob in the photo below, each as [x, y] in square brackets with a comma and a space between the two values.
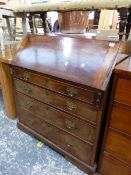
[71, 91]
[70, 106]
[30, 121]
[70, 124]
[28, 105]
[26, 76]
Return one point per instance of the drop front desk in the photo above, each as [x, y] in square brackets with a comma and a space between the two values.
[60, 86]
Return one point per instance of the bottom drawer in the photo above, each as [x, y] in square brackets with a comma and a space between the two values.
[62, 139]
[111, 166]
[119, 146]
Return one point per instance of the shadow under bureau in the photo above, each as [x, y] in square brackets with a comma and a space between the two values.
[60, 86]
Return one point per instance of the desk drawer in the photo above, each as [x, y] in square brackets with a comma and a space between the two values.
[119, 146]
[58, 118]
[111, 166]
[123, 91]
[68, 89]
[62, 139]
[121, 118]
[71, 106]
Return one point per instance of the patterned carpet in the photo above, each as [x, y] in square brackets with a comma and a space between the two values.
[20, 154]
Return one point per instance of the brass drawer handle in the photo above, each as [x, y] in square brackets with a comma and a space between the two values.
[27, 89]
[26, 75]
[70, 124]
[70, 106]
[28, 105]
[71, 91]
[30, 121]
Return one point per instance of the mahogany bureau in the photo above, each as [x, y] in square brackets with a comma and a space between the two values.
[60, 86]
[116, 154]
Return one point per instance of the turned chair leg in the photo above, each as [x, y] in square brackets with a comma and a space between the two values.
[2, 36]
[125, 23]
[24, 24]
[44, 22]
[10, 31]
[123, 12]
[128, 29]
[35, 27]
[14, 29]
[30, 17]
[128, 25]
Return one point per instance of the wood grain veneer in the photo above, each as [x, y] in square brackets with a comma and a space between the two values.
[116, 152]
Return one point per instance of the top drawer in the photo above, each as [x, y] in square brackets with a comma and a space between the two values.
[70, 90]
[123, 91]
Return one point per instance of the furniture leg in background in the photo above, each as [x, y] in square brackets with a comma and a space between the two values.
[24, 24]
[10, 31]
[1, 36]
[44, 22]
[6, 79]
[30, 17]
[128, 25]
[125, 23]
[5, 13]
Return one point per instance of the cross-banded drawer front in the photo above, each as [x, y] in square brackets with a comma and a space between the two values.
[123, 91]
[121, 118]
[71, 106]
[58, 118]
[62, 139]
[68, 89]
[112, 166]
[119, 146]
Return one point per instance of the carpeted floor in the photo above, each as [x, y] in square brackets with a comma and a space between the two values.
[20, 154]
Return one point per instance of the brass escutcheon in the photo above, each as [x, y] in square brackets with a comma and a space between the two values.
[47, 125]
[27, 89]
[70, 106]
[71, 91]
[28, 105]
[26, 76]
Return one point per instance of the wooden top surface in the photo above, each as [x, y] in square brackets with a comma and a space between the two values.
[124, 67]
[69, 5]
[84, 61]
